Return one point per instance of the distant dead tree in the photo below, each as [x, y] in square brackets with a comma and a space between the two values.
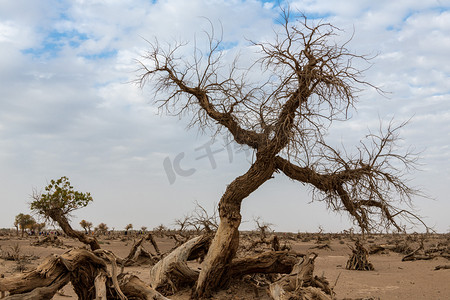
[202, 221]
[263, 227]
[197, 222]
[160, 230]
[282, 107]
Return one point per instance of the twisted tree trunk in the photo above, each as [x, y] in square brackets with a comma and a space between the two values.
[226, 240]
[58, 216]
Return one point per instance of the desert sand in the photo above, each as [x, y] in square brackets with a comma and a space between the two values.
[391, 278]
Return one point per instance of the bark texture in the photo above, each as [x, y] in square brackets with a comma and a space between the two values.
[226, 240]
[161, 275]
[60, 218]
[88, 273]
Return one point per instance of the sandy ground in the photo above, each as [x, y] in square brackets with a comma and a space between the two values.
[391, 279]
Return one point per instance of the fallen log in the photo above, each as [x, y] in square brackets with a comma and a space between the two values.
[138, 255]
[41, 293]
[418, 254]
[135, 288]
[267, 262]
[192, 249]
[180, 275]
[442, 267]
[321, 246]
[374, 249]
[273, 242]
[50, 271]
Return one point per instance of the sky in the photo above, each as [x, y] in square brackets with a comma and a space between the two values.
[69, 107]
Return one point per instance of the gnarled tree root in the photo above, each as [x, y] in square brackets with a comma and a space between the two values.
[179, 274]
[42, 293]
[88, 273]
[173, 273]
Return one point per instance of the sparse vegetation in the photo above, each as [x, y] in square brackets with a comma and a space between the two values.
[15, 253]
[143, 255]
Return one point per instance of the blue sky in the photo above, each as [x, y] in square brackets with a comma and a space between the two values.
[68, 106]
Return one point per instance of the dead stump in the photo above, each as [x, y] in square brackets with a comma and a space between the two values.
[359, 260]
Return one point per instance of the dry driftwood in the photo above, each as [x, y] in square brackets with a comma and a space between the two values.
[418, 254]
[301, 283]
[86, 270]
[172, 272]
[160, 277]
[268, 262]
[442, 267]
[40, 293]
[374, 249]
[321, 246]
[135, 288]
[179, 274]
[138, 255]
[273, 242]
[49, 271]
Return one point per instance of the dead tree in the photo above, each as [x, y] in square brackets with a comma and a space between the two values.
[307, 82]
[198, 222]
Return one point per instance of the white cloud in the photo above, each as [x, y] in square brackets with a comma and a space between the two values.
[67, 106]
